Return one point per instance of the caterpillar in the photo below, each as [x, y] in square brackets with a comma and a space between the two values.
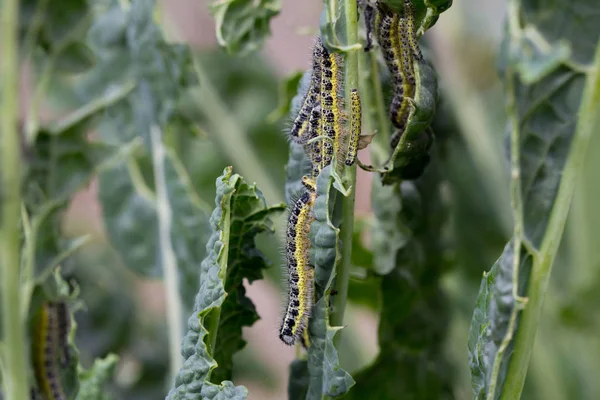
[411, 33]
[396, 35]
[332, 106]
[314, 150]
[48, 337]
[300, 270]
[64, 327]
[355, 127]
[401, 106]
[301, 122]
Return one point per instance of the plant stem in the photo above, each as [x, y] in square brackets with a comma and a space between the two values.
[588, 124]
[167, 254]
[347, 227]
[215, 318]
[15, 353]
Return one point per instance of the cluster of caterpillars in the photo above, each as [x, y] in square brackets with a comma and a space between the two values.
[321, 127]
[396, 35]
[50, 349]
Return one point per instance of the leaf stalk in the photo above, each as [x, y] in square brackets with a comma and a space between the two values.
[167, 254]
[347, 227]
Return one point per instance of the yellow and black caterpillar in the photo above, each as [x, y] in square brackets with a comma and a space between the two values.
[395, 33]
[321, 127]
[300, 271]
[50, 348]
[322, 113]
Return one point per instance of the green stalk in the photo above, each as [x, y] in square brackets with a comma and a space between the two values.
[589, 122]
[167, 254]
[347, 227]
[15, 353]
[215, 318]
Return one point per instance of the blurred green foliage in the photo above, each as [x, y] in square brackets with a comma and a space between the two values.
[445, 230]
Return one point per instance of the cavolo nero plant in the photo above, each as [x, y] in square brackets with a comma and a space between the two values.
[152, 125]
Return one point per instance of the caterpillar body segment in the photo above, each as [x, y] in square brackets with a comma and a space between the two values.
[301, 122]
[355, 127]
[64, 327]
[47, 352]
[300, 269]
[401, 104]
[314, 148]
[411, 33]
[333, 117]
[386, 29]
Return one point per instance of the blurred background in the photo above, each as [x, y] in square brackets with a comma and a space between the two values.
[125, 313]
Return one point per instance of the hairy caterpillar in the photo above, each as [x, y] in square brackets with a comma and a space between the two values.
[301, 122]
[396, 35]
[355, 127]
[48, 341]
[314, 150]
[411, 32]
[401, 106]
[300, 270]
[332, 106]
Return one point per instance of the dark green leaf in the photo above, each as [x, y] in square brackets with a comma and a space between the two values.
[58, 20]
[547, 96]
[75, 58]
[414, 316]
[250, 216]
[299, 378]
[241, 212]
[243, 25]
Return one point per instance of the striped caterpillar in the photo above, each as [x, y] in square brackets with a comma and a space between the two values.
[311, 98]
[355, 127]
[320, 126]
[396, 36]
[50, 348]
[300, 270]
[322, 113]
